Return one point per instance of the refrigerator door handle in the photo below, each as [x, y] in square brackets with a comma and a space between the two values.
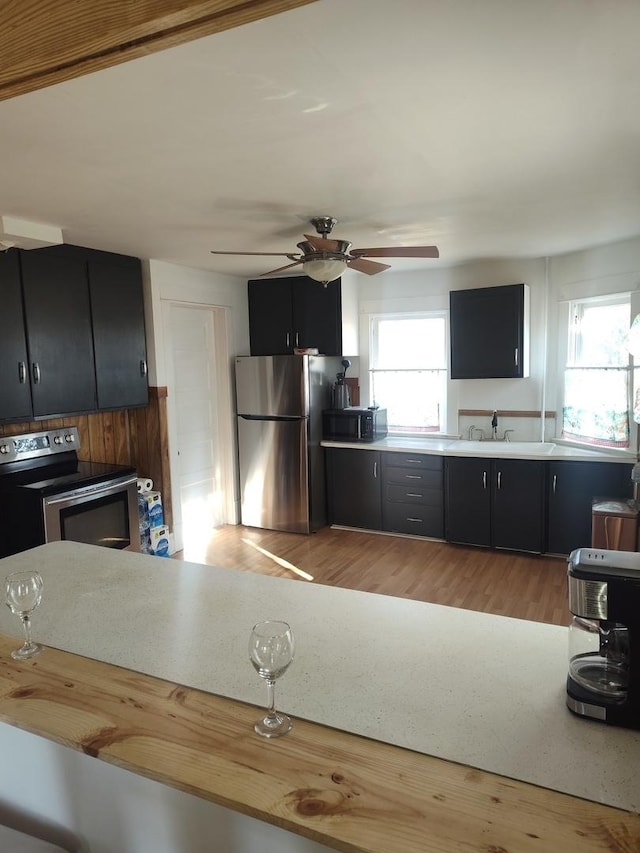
[271, 417]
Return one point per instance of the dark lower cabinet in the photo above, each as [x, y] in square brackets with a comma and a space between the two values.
[495, 502]
[467, 500]
[570, 492]
[354, 487]
[59, 336]
[15, 391]
[412, 494]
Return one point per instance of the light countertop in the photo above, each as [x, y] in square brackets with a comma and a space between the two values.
[483, 690]
[491, 449]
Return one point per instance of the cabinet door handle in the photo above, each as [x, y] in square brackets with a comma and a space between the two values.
[499, 479]
[288, 340]
[297, 339]
[484, 479]
[22, 372]
[35, 369]
[375, 470]
[554, 483]
[515, 356]
[143, 367]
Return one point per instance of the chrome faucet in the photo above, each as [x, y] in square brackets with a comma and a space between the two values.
[476, 429]
[470, 433]
[506, 434]
[494, 426]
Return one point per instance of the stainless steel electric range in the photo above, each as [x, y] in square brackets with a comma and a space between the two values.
[48, 494]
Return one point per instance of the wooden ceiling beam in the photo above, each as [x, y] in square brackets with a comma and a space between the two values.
[43, 42]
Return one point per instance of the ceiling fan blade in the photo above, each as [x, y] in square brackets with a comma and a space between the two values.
[398, 252]
[367, 267]
[321, 244]
[288, 266]
[276, 254]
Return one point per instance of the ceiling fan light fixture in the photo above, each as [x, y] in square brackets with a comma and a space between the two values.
[325, 269]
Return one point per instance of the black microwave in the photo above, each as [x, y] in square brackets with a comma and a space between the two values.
[354, 424]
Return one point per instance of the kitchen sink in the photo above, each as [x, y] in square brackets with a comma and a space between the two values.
[503, 448]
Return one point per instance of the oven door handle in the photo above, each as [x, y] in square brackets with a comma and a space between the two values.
[93, 493]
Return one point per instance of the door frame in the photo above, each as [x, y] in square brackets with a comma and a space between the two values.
[224, 410]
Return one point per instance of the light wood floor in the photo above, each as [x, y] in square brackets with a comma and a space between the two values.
[501, 582]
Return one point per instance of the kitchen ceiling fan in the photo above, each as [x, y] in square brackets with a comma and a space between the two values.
[325, 259]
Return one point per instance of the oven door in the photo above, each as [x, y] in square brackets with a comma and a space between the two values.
[105, 514]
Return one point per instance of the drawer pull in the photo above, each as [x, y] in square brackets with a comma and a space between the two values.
[413, 476]
[414, 495]
[414, 461]
[416, 520]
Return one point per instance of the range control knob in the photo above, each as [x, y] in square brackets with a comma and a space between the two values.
[4, 448]
[57, 439]
[69, 438]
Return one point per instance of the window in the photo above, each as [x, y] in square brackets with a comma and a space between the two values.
[597, 374]
[409, 370]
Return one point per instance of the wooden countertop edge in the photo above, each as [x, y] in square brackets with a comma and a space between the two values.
[345, 791]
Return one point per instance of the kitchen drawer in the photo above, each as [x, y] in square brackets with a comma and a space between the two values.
[413, 495]
[413, 460]
[413, 519]
[422, 477]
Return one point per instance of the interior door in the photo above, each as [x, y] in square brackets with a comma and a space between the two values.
[197, 459]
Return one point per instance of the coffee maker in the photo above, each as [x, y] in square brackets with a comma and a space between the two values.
[604, 636]
[340, 390]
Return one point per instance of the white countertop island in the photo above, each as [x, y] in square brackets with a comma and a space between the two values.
[485, 691]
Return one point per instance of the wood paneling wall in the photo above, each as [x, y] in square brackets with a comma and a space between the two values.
[135, 437]
[43, 42]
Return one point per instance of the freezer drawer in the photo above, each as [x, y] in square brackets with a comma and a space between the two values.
[274, 474]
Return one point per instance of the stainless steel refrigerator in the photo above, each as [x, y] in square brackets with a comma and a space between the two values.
[280, 399]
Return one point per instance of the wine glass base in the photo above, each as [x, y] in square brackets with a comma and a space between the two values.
[273, 726]
[26, 652]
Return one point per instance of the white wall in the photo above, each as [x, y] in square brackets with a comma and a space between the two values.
[165, 281]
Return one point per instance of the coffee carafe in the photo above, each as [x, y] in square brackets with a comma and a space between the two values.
[604, 636]
[340, 389]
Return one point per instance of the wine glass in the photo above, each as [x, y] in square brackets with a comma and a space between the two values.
[23, 591]
[271, 648]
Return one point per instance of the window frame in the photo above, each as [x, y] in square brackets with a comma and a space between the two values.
[428, 314]
[571, 362]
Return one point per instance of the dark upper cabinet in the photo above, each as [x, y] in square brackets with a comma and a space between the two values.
[59, 335]
[496, 502]
[290, 312]
[572, 486]
[72, 336]
[115, 286]
[354, 493]
[15, 391]
[489, 332]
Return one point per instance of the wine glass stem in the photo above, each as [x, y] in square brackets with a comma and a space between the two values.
[271, 699]
[26, 624]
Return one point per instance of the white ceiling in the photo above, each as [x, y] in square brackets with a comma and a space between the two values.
[500, 128]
